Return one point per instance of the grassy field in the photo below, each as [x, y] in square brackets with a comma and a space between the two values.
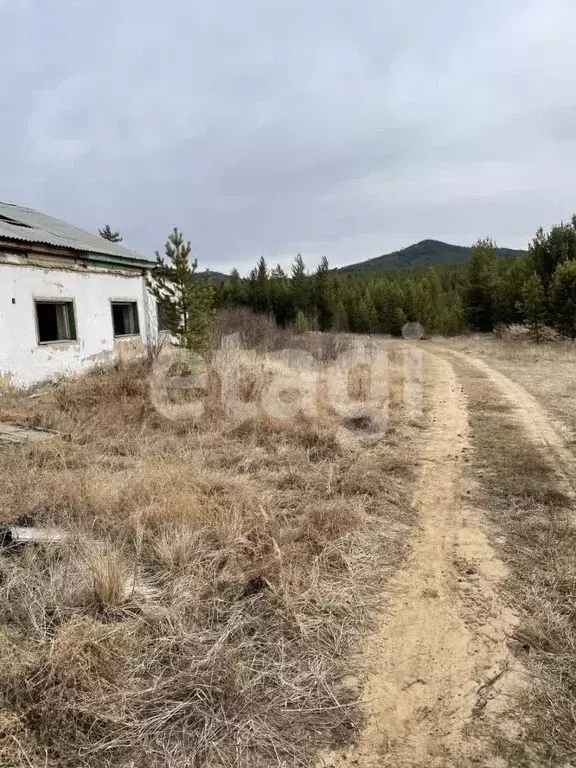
[221, 594]
[214, 581]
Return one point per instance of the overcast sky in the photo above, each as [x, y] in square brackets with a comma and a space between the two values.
[331, 127]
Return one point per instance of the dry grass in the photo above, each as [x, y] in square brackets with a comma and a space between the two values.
[534, 532]
[215, 580]
[261, 332]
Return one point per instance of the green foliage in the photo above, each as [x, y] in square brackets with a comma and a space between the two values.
[340, 316]
[300, 286]
[549, 249]
[453, 318]
[259, 290]
[446, 299]
[108, 234]
[366, 318]
[301, 323]
[398, 322]
[511, 278]
[432, 301]
[322, 296]
[533, 304]
[480, 295]
[423, 254]
[184, 299]
[563, 298]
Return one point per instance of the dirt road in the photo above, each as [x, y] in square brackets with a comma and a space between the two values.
[540, 428]
[440, 663]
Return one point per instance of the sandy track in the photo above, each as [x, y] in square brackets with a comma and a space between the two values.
[535, 420]
[443, 637]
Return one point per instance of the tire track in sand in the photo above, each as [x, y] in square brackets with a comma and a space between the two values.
[443, 635]
[539, 426]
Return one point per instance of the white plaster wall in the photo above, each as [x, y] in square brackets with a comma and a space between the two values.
[23, 361]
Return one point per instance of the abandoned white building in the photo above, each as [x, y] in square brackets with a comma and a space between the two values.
[68, 299]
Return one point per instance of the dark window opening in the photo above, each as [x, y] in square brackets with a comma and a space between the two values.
[56, 321]
[125, 318]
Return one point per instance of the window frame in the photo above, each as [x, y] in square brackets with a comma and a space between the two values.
[132, 303]
[69, 302]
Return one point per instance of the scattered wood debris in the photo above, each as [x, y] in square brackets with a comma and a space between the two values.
[14, 535]
[19, 433]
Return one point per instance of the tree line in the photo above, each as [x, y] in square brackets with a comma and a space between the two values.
[537, 289]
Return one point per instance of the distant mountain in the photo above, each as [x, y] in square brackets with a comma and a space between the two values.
[215, 277]
[422, 254]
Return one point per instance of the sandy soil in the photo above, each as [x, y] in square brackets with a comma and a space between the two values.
[440, 662]
[441, 647]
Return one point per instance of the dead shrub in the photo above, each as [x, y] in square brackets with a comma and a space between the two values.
[255, 331]
[262, 333]
[252, 380]
[521, 333]
[359, 382]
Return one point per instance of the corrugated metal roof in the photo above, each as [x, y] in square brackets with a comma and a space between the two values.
[27, 225]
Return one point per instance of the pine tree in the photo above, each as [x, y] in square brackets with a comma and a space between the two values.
[298, 267]
[322, 296]
[107, 234]
[453, 320]
[563, 299]
[281, 297]
[232, 292]
[533, 305]
[410, 292]
[237, 288]
[300, 285]
[351, 303]
[184, 299]
[399, 322]
[388, 299]
[433, 304]
[259, 287]
[366, 317]
[512, 275]
[340, 317]
[481, 289]
[278, 273]
[301, 323]
[549, 249]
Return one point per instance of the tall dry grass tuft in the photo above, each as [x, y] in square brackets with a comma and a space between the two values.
[215, 579]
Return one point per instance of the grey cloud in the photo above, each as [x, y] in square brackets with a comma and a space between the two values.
[336, 128]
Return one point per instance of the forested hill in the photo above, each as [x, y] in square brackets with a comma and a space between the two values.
[423, 254]
[214, 277]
